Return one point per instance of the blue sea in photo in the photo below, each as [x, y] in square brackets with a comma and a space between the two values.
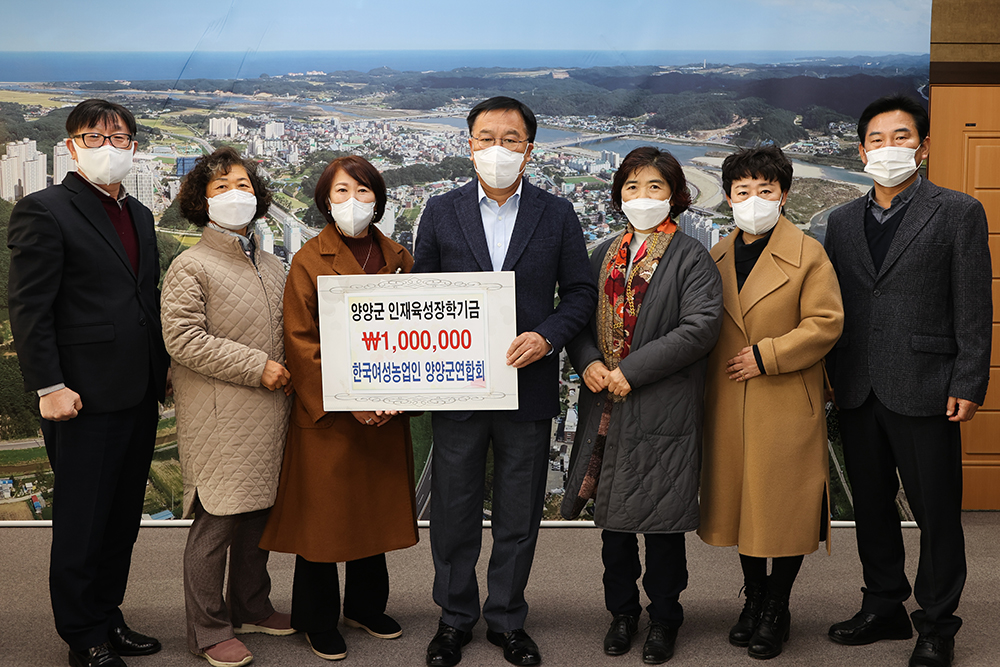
[103, 66]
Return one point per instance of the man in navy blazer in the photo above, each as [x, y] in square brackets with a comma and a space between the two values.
[500, 222]
[85, 314]
[912, 364]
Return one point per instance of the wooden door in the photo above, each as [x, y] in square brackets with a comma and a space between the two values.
[965, 156]
[981, 436]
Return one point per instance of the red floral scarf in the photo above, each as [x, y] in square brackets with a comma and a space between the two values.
[618, 309]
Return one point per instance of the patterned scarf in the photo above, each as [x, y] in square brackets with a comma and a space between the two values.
[617, 312]
[618, 309]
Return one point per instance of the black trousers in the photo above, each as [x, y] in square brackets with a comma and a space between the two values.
[316, 592]
[458, 465]
[666, 575]
[927, 452]
[101, 464]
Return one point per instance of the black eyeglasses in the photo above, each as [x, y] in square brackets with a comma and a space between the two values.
[506, 142]
[96, 139]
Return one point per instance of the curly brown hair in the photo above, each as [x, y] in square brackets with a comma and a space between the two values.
[194, 205]
[669, 168]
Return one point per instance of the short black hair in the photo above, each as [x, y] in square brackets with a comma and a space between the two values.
[93, 112]
[505, 104]
[192, 202]
[767, 163]
[895, 102]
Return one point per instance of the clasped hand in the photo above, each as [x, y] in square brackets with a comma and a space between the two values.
[597, 377]
[276, 376]
[374, 417]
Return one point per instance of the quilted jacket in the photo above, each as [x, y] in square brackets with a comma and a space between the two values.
[221, 323]
[651, 466]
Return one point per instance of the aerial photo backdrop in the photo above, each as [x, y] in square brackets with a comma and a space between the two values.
[297, 83]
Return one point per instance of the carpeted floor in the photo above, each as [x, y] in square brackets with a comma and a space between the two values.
[567, 616]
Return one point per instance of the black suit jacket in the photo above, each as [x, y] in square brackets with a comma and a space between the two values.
[78, 312]
[918, 330]
[546, 249]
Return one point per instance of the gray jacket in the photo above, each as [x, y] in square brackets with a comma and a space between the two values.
[918, 330]
[652, 459]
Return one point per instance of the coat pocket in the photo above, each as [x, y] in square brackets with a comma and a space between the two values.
[302, 419]
[86, 333]
[933, 344]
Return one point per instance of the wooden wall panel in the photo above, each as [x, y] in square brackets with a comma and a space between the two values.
[964, 22]
[982, 436]
[995, 350]
[981, 487]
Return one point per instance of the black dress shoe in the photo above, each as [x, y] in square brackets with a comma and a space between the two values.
[96, 656]
[772, 631]
[740, 634]
[518, 647]
[933, 650]
[866, 628]
[659, 646]
[618, 641]
[445, 650]
[126, 641]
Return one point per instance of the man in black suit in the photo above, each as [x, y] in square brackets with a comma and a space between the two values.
[500, 222]
[85, 314]
[913, 362]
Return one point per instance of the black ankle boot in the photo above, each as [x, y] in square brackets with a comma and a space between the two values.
[740, 634]
[772, 631]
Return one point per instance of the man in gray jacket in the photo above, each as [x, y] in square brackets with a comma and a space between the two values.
[913, 362]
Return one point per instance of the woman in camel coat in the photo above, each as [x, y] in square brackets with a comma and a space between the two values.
[347, 490]
[765, 469]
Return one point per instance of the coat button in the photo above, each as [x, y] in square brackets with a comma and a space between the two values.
[142, 321]
[877, 293]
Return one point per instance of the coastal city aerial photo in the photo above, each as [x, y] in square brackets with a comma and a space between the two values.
[402, 104]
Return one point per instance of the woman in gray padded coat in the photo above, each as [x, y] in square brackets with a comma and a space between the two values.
[643, 358]
[222, 325]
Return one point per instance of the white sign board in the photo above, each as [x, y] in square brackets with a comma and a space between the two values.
[428, 341]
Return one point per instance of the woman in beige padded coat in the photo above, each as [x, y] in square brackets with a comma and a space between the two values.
[222, 324]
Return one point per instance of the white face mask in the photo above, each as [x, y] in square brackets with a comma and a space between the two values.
[104, 165]
[498, 167]
[891, 165]
[755, 215]
[233, 209]
[646, 214]
[352, 216]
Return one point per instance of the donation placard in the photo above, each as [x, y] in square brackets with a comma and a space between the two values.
[427, 341]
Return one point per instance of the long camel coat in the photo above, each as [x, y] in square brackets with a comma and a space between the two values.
[346, 489]
[766, 468]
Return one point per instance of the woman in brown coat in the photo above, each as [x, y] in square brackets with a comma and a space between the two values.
[221, 313]
[765, 470]
[346, 489]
